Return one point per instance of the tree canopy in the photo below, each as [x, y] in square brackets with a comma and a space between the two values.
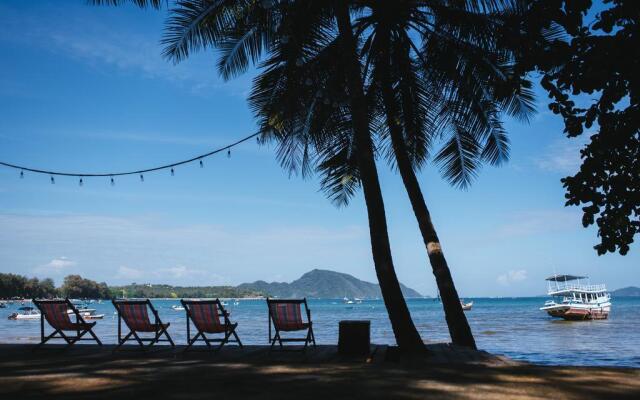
[590, 73]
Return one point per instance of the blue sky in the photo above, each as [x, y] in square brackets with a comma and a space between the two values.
[85, 89]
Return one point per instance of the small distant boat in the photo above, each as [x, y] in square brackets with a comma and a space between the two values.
[224, 303]
[466, 306]
[177, 308]
[346, 300]
[574, 301]
[357, 300]
[25, 313]
[3, 304]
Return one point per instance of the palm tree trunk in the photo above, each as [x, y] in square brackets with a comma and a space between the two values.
[456, 320]
[406, 334]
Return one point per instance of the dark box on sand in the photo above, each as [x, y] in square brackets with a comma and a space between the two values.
[354, 338]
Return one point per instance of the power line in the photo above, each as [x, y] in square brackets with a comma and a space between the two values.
[136, 172]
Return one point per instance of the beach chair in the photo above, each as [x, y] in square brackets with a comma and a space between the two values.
[205, 315]
[135, 315]
[286, 316]
[56, 312]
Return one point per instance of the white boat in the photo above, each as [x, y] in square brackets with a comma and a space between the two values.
[466, 306]
[25, 313]
[575, 301]
[177, 308]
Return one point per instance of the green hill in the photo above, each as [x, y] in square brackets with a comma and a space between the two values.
[323, 284]
[631, 291]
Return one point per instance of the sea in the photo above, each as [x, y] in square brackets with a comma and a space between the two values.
[514, 327]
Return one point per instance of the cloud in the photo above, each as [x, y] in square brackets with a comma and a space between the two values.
[120, 250]
[534, 222]
[125, 272]
[98, 40]
[55, 266]
[562, 156]
[512, 276]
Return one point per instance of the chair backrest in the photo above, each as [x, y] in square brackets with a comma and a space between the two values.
[135, 314]
[56, 313]
[287, 314]
[206, 314]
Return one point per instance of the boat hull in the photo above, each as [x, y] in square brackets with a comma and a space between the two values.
[579, 314]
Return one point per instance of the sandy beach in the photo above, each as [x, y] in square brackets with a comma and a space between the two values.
[87, 371]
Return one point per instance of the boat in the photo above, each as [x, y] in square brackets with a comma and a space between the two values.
[466, 306]
[177, 308]
[575, 301]
[3, 304]
[25, 313]
[86, 312]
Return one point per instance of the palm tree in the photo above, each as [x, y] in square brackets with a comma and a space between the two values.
[455, 84]
[293, 34]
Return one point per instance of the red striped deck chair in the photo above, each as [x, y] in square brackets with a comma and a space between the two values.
[286, 316]
[136, 317]
[210, 317]
[56, 312]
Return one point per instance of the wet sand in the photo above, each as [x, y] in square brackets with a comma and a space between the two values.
[87, 371]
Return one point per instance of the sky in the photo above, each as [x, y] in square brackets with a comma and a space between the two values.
[85, 88]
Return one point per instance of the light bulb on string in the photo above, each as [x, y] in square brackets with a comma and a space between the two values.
[173, 172]
[229, 153]
[141, 178]
[53, 181]
[201, 164]
[113, 182]
[21, 174]
[80, 182]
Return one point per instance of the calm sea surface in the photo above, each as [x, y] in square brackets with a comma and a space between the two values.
[510, 326]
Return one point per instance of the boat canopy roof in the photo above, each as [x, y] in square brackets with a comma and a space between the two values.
[563, 278]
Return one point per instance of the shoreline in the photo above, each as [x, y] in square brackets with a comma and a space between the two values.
[445, 373]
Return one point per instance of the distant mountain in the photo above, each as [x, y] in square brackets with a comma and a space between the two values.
[323, 284]
[631, 291]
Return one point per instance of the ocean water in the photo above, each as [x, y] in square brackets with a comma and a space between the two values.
[510, 326]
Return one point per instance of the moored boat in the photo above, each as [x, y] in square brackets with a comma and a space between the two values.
[25, 313]
[575, 301]
[466, 306]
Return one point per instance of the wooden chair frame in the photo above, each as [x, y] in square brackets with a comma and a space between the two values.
[160, 328]
[230, 328]
[277, 337]
[82, 327]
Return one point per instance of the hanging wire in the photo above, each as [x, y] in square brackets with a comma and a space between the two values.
[137, 172]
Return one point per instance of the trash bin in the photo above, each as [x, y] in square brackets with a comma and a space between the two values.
[354, 337]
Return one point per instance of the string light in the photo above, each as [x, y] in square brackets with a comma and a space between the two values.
[82, 176]
[172, 172]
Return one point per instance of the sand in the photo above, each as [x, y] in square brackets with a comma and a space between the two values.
[87, 371]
